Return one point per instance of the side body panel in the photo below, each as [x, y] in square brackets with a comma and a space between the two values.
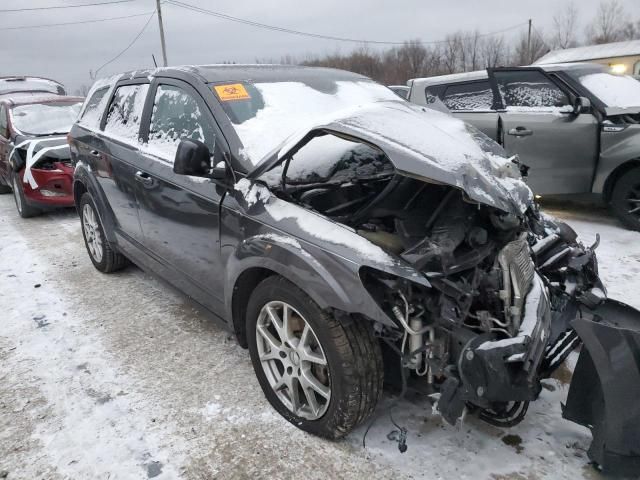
[561, 149]
[485, 121]
[616, 149]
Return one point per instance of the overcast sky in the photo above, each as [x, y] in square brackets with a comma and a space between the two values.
[68, 53]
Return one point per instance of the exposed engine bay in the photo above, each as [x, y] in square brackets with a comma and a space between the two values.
[505, 293]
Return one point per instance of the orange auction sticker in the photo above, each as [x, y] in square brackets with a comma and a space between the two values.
[235, 91]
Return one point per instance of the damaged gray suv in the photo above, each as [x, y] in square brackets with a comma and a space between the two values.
[348, 238]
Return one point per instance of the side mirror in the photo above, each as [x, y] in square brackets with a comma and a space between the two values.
[581, 105]
[192, 158]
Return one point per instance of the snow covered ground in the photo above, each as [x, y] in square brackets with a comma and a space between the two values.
[118, 376]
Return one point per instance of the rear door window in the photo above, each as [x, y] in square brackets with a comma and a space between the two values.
[125, 112]
[529, 89]
[469, 96]
[178, 114]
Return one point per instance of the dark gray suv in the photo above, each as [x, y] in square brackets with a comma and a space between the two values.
[348, 237]
[577, 126]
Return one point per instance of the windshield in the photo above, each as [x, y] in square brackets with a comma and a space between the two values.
[613, 90]
[265, 114]
[45, 118]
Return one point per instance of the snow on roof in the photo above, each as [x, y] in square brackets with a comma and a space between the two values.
[454, 77]
[592, 52]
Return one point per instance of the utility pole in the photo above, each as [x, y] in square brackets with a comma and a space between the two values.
[164, 46]
[528, 43]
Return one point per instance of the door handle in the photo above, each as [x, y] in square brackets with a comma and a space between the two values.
[520, 132]
[144, 178]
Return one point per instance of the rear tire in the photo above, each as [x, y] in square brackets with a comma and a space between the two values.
[24, 210]
[103, 256]
[625, 199]
[5, 189]
[352, 373]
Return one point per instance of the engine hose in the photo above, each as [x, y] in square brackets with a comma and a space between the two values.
[404, 319]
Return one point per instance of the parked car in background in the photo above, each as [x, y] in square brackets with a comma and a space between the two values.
[34, 155]
[577, 126]
[325, 221]
[21, 85]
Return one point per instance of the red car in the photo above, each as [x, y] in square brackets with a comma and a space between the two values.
[34, 155]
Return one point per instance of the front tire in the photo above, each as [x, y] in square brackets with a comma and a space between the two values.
[625, 199]
[24, 209]
[322, 374]
[103, 256]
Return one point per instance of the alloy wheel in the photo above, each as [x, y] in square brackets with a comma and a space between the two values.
[16, 194]
[633, 201]
[92, 233]
[293, 360]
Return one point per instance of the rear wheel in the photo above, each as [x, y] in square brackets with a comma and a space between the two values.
[102, 254]
[5, 189]
[625, 199]
[24, 210]
[323, 375]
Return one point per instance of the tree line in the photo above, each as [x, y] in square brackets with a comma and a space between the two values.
[464, 51]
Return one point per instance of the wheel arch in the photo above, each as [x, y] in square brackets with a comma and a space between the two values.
[330, 286]
[616, 174]
[83, 182]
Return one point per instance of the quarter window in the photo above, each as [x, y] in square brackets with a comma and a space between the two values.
[529, 89]
[177, 115]
[469, 96]
[94, 107]
[125, 111]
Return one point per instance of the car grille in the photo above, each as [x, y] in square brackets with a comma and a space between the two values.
[517, 276]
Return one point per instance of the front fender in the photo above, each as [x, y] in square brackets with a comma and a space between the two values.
[331, 281]
[617, 148]
[605, 387]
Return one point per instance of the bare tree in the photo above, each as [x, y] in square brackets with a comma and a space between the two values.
[630, 31]
[452, 52]
[564, 27]
[605, 27]
[494, 52]
[525, 54]
[470, 50]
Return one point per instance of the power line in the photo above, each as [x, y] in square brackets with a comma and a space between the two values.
[55, 7]
[76, 23]
[265, 26]
[95, 74]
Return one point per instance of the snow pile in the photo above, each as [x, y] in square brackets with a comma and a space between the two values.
[614, 90]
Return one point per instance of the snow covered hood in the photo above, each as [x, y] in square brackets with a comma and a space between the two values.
[424, 143]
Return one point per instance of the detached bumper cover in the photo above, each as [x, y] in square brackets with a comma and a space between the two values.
[604, 394]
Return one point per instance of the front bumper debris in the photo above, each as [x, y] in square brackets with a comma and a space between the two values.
[605, 389]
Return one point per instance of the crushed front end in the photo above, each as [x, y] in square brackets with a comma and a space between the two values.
[504, 295]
